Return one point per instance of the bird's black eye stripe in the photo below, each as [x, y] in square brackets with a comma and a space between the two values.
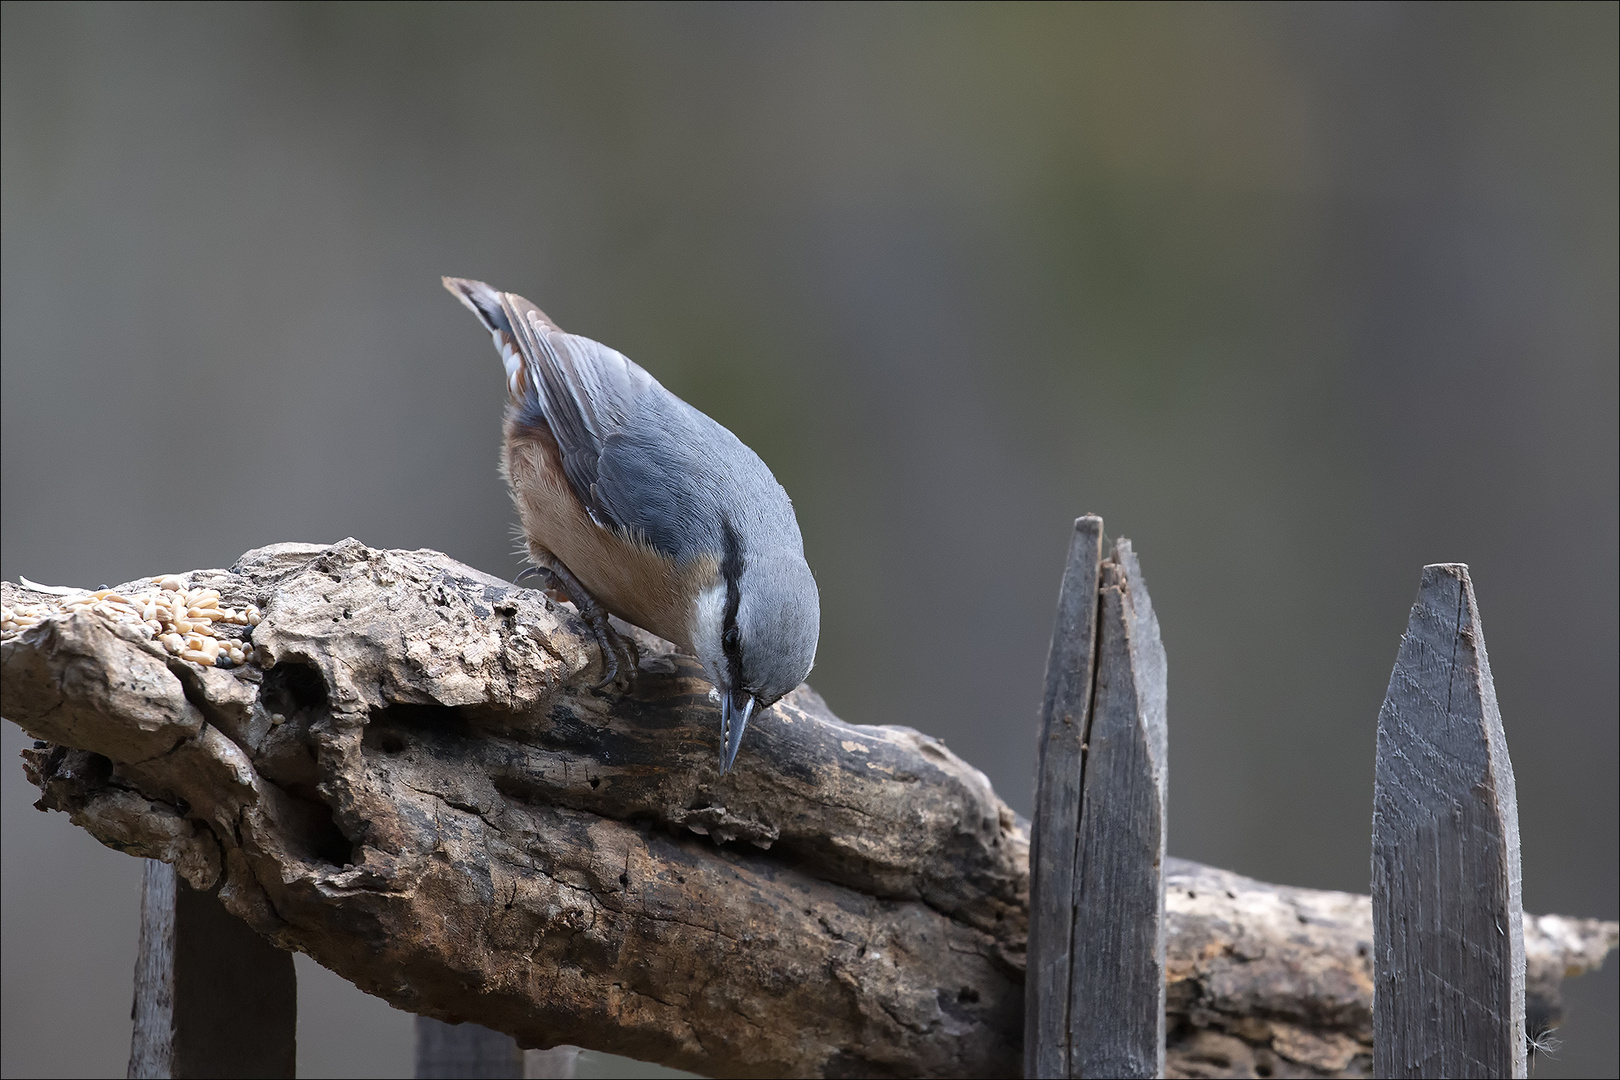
[731, 567]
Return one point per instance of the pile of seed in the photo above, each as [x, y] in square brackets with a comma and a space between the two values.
[186, 622]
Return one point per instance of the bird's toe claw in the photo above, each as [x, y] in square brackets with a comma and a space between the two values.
[620, 658]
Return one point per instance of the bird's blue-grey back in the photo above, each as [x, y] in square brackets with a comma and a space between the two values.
[640, 459]
[643, 461]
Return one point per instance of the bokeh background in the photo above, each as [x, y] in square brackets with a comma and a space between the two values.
[1299, 298]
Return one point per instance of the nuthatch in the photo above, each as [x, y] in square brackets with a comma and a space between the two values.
[636, 504]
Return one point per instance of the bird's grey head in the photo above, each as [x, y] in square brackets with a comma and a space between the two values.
[755, 632]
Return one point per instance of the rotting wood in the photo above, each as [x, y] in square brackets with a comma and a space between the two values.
[423, 793]
[1448, 935]
[212, 998]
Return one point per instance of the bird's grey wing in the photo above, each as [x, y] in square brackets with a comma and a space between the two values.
[669, 473]
[585, 392]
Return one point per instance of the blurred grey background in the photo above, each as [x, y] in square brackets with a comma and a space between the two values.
[1299, 298]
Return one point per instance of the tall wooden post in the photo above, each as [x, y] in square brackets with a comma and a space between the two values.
[1053, 851]
[1095, 986]
[1448, 917]
[212, 997]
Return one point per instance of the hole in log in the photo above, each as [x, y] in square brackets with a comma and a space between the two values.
[67, 778]
[319, 832]
[418, 722]
[294, 684]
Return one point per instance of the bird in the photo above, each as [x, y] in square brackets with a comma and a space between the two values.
[634, 503]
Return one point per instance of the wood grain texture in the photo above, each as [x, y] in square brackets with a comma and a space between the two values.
[421, 791]
[1054, 850]
[1116, 1012]
[1275, 980]
[151, 1052]
[212, 998]
[1448, 935]
[1095, 985]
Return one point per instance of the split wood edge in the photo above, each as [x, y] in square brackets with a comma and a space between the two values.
[1095, 983]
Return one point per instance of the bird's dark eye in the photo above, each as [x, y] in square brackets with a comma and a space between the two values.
[731, 641]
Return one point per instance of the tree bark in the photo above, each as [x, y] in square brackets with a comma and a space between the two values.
[416, 784]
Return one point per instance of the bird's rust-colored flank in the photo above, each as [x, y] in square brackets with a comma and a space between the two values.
[631, 580]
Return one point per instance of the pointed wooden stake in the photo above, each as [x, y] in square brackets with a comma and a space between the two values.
[1065, 714]
[1448, 918]
[1116, 1011]
[1095, 980]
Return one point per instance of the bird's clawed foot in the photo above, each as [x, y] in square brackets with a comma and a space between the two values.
[620, 656]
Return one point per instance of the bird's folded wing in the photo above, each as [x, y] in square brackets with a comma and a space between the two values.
[587, 394]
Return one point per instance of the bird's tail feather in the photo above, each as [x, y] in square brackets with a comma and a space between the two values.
[492, 307]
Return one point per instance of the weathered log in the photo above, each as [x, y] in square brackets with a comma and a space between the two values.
[416, 785]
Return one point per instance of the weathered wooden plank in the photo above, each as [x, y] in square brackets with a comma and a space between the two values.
[1448, 934]
[1116, 1010]
[151, 1051]
[1065, 712]
[212, 998]
[464, 1052]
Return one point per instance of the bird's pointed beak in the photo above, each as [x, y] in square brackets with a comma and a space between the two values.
[735, 709]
